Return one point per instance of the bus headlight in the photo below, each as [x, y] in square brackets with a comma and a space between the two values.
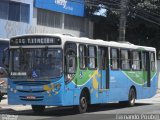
[57, 86]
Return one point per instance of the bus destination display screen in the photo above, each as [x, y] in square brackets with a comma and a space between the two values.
[35, 40]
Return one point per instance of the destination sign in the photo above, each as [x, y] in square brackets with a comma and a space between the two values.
[35, 40]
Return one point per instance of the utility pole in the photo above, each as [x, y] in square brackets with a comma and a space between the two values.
[123, 20]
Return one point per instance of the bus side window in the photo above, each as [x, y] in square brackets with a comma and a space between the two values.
[136, 60]
[114, 58]
[92, 57]
[125, 60]
[144, 60]
[152, 61]
[82, 56]
[102, 58]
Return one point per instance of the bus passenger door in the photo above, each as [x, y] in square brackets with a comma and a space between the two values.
[146, 69]
[70, 72]
[104, 73]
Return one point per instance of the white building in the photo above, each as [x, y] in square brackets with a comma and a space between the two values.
[44, 16]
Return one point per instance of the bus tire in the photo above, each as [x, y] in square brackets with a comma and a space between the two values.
[131, 97]
[38, 108]
[83, 103]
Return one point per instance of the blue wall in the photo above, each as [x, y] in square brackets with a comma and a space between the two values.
[72, 7]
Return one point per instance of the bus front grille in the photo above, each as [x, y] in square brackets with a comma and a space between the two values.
[31, 91]
[32, 83]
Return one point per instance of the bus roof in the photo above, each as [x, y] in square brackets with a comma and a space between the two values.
[100, 42]
[105, 43]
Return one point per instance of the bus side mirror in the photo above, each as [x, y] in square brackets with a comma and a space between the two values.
[5, 57]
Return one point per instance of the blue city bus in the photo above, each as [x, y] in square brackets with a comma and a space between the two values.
[61, 70]
[4, 43]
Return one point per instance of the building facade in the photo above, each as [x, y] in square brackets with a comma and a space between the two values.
[19, 17]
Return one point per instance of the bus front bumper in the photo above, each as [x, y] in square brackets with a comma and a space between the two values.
[47, 98]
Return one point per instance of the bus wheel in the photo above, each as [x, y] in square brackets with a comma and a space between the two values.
[131, 97]
[83, 103]
[38, 108]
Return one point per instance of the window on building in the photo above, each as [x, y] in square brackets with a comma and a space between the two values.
[136, 64]
[82, 56]
[114, 58]
[74, 23]
[24, 13]
[3, 9]
[49, 18]
[125, 60]
[152, 61]
[92, 57]
[14, 11]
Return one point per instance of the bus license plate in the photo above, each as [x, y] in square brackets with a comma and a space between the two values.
[30, 97]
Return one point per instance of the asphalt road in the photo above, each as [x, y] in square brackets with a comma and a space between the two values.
[109, 111]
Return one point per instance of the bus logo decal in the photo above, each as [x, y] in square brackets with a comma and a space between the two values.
[34, 74]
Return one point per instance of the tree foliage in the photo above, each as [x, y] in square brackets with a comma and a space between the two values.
[143, 21]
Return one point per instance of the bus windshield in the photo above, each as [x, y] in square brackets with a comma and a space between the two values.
[37, 63]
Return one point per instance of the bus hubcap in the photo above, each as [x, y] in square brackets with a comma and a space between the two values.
[83, 102]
